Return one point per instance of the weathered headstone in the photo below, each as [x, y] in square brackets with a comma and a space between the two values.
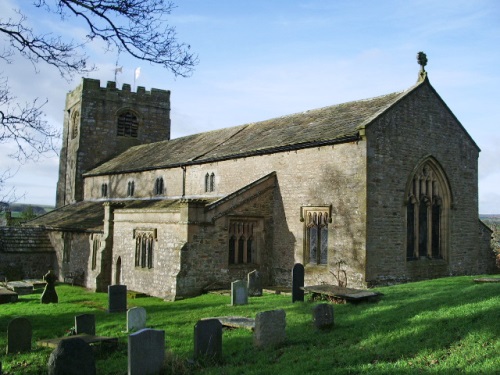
[136, 318]
[239, 293]
[85, 323]
[269, 328]
[254, 284]
[72, 356]
[117, 298]
[208, 339]
[298, 282]
[146, 352]
[49, 294]
[19, 335]
[323, 317]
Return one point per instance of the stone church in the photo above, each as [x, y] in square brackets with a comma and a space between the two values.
[375, 191]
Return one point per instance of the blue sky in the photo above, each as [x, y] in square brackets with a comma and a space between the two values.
[263, 59]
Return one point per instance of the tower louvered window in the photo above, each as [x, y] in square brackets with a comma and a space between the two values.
[128, 125]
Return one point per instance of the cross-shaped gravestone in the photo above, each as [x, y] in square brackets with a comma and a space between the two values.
[146, 352]
[136, 318]
[208, 339]
[19, 335]
[298, 282]
[85, 323]
[239, 293]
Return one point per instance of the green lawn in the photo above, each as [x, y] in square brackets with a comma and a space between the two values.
[449, 325]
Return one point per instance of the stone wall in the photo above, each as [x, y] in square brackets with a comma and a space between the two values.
[420, 126]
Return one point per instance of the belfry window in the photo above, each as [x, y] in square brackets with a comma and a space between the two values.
[144, 248]
[427, 205]
[241, 242]
[128, 125]
[159, 186]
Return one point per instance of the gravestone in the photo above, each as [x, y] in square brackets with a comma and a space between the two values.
[117, 298]
[136, 318]
[146, 352]
[254, 284]
[19, 335]
[7, 296]
[20, 287]
[323, 317]
[298, 282]
[72, 356]
[49, 294]
[239, 293]
[208, 339]
[85, 323]
[269, 328]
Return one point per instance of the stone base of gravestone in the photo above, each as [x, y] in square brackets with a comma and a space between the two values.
[117, 298]
[323, 316]
[208, 339]
[146, 352]
[19, 334]
[72, 357]
[269, 328]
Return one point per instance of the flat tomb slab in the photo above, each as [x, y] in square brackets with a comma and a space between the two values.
[236, 322]
[349, 294]
[89, 339]
[7, 296]
[20, 287]
[487, 280]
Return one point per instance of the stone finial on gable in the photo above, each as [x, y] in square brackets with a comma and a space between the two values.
[422, 61]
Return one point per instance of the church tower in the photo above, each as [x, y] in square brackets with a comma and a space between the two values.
[100, 123]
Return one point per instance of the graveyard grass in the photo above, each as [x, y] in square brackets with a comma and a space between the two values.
[448, 325]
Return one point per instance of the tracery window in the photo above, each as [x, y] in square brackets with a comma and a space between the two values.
[128, 125]
[316, 221]
[427, 205]
[144, 248]
[130, 188]
[241, 242]
[159, 186]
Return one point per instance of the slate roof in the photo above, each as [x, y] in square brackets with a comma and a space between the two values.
[328, 125]
[89, 215]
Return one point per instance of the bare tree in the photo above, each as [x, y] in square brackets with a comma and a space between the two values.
[136, 27]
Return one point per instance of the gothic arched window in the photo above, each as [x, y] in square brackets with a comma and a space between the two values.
[130, 189]
[159, 186]
[104, 190]
[428, 200]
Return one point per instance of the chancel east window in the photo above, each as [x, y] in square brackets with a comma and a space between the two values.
[128, 125]
[427, 205]
[316, 221]
[144, 248]
[242, 241]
